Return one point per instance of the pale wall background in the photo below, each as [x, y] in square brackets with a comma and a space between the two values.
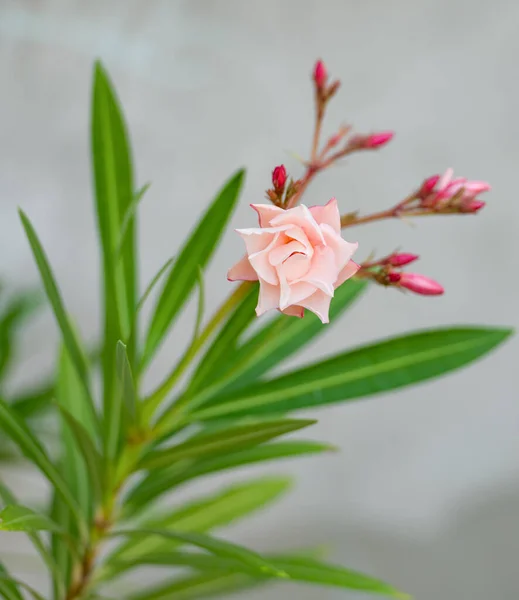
[426, 490]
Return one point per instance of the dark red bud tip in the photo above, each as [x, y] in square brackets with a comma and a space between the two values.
[279, 178]
[394, 277]
[428, 185]
[473, 206]
[320, 74]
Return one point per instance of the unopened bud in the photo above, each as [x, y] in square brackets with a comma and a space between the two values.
[320, 74]
[428, 186]
[279, 178]
[419, 284]
[394, 277]
[472, 206]
[401, 259]
[370, 142]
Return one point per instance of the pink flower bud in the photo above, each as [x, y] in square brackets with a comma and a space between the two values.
[370, 142]
[428, 185]
[419, 284]
[279, 178]
[401, 259]
[320, 74]
[472, 206]
[378, 139]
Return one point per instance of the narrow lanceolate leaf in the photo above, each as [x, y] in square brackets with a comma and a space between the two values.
[214, 363]
[154, 281]
[201, 585]
[368, 370]
[114, 193]
[20, 584]
[160, 481]
[91, 459]
[214, 545]
[227, 440]
[196, 253]
[298, 568]
[269, 347]
[128, 217]
[204, 514]
[125, 404]
[20, 518]
[19, 433]
[69, 338]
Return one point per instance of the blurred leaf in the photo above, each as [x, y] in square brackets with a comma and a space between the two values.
[8, 587]
[196, 253]
[200, 585]
[54, 296]
[271, 346]
[18, 431]
[61, 553]
[204, 514]
[228, 440]
[10, 581]
[30, 403]
[201, 303]
[161, 480]
[8, 498]
[372, 369]
[222, 351]
[92, 460]
[298, 568]
[114, 194]
[213, 545]
[20, 518]
[13, 315]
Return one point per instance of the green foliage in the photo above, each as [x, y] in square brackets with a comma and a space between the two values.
[120, 453]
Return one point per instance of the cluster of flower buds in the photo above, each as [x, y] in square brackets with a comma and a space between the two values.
[445, 194]
[282, 189]
[387, 271]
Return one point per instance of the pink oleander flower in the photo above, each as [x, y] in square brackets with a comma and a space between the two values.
[438, 191]
[298, 256]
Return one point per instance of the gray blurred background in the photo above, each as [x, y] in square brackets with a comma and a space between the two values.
[425, 492]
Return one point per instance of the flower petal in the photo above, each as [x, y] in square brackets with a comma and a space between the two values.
[281, 253]
[319, 304]
[243, 271]
[294, 311]
[301, 216]
[349, 271]
[328, 214]
[342, 249]
[268, 298]
[266, 212]
[324, 272]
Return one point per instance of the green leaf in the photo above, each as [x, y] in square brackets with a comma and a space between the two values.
[19, 433]
[154, 282]
[127, 398]
[222, 352]
[163, 480]
[8, 587]
[9, 498]
[201, 303]
[298, 568]
[114, 194]
[54, 296]
[274, 343]
[228, 440]
[200, 585]
[61, 553]
[368, 370]
[213, 545]
[235, 502]
[10, 581]
[19, 518]
[92, 460]
[33, 402]
[129, 216]
[196, 253]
